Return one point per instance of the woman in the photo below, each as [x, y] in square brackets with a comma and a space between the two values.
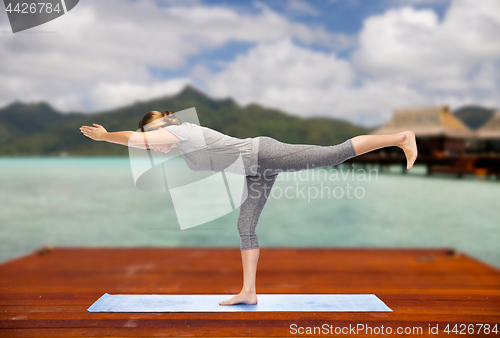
[263, 159]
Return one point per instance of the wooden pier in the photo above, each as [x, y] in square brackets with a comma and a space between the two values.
[47, 294]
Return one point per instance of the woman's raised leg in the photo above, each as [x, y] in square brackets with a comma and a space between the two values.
[276, 156]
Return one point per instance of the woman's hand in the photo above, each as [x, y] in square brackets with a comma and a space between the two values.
[97, 132]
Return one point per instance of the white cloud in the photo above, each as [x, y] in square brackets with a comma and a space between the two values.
[302, 7]
[455, 61]
[106, 95]
[413, 47]
[109, 45]
[418, 2]
[98, 57]
[405, 57]
[304, 82]
[268, 68]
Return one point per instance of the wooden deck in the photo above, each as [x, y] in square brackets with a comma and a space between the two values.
[47, 295]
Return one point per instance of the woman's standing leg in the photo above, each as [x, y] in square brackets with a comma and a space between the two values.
[258, 189]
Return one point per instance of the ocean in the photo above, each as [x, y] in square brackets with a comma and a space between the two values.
[93, 202]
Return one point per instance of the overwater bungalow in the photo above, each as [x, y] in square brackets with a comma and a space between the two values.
[439, 133]
[489, 135]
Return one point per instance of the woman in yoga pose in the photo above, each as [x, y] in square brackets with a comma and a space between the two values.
[263, 157]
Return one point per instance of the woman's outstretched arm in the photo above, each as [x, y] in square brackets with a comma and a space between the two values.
[130, 138]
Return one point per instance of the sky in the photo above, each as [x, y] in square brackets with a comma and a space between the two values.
[351, 59]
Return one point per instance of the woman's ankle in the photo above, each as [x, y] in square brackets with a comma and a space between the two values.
[400, 139]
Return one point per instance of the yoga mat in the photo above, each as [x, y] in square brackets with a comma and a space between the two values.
[266, 303]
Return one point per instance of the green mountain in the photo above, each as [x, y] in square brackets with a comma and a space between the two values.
[18, 120]
[474, 116]
[39, 130]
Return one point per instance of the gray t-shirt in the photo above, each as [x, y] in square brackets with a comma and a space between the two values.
[205, 149]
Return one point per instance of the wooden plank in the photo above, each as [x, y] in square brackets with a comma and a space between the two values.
[48, 295]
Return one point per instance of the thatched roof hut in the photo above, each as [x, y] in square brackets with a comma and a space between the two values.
[491, 129]
[426, 122]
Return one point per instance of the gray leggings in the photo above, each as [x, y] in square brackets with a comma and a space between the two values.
[275, 157]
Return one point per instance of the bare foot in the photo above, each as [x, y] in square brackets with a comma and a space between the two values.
[241, 298]
[409, 146]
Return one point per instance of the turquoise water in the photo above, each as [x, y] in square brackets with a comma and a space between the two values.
[94, 202]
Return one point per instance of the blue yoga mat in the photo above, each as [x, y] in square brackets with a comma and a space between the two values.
[266, 303]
